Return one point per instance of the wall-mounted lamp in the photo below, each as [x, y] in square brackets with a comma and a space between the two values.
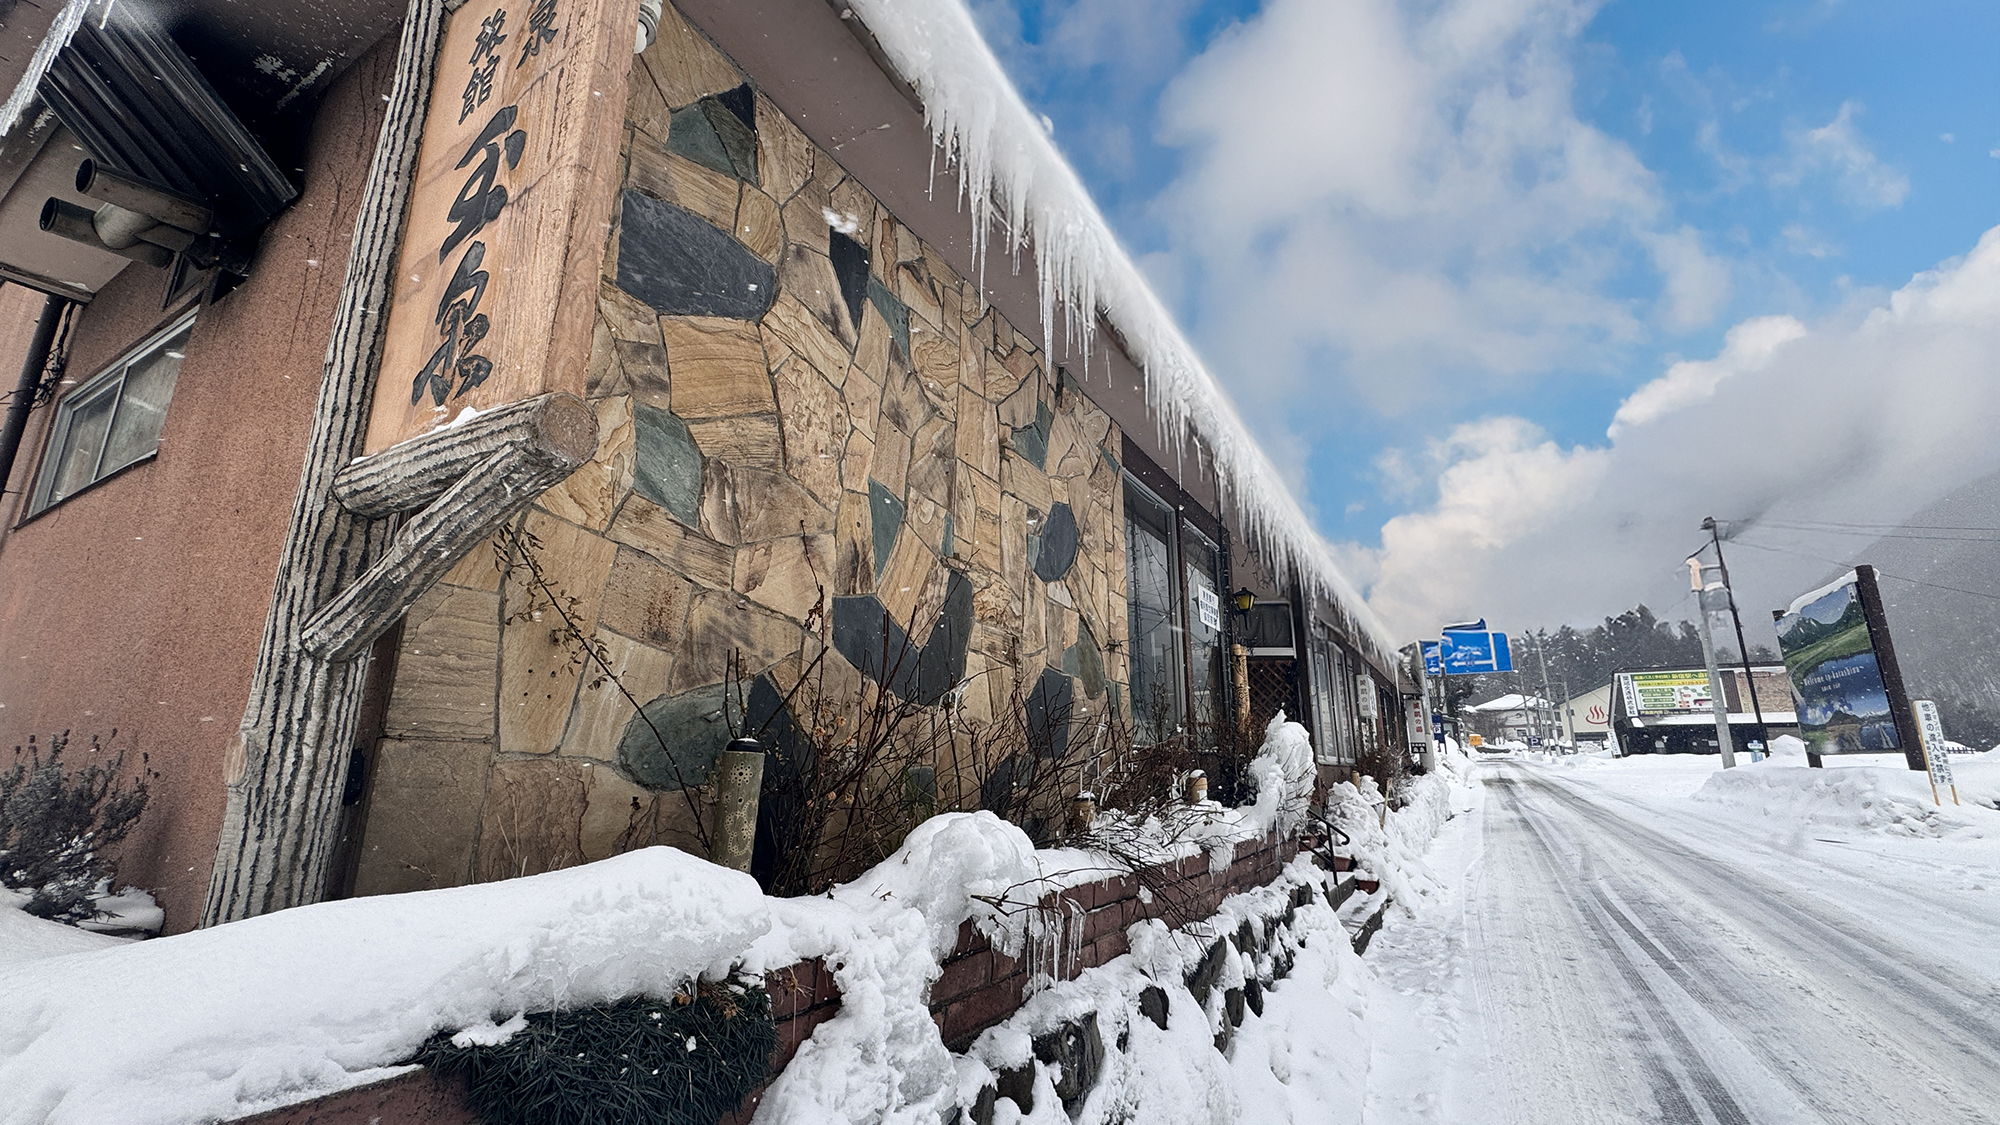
[1243, 599]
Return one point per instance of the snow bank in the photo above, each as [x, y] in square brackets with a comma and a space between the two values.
[1174, 1075]
[24, 937]
[1283, 770]
[1861, 799]
[1006, 160]
[881, 1059]
[1390, 844]
[223, 1022]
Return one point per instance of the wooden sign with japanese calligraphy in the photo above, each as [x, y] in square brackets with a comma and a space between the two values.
[505, 235]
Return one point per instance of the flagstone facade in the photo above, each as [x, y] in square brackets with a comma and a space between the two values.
[814, 434]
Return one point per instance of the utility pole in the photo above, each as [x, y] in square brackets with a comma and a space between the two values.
[1742, 649]
[1520, 694]
[1543, 657]
[1717, 702]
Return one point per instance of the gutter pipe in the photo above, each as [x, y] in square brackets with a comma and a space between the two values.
[25, 387]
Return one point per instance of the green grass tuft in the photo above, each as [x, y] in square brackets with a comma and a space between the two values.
[686, 1060]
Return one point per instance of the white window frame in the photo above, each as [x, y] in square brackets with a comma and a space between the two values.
[110, 380]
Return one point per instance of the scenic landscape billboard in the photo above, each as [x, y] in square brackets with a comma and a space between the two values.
[1844, 677]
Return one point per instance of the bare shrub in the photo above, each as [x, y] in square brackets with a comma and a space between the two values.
[54, 825]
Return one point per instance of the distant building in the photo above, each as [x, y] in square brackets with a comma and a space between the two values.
[1587, 717]
[1669, 710]
[1515, 717]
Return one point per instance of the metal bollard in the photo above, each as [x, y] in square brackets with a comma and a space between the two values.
[739, 782]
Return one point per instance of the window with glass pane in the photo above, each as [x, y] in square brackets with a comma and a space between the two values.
[1322, 693]
[113, 420]
[1203, 563]
[1150, 600]
[1341, 685]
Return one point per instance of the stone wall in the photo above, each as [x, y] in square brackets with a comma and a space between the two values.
[817, 442]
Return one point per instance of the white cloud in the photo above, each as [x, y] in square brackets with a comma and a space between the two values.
[1749, 346]
[1696, 282]
[1802, 239]
[1837, 149]
[1502, 480]
[1395, 201]
[1120, 50]
[1863, 417]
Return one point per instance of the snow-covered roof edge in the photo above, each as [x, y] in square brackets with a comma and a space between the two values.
[60, 32]
[1005, 158]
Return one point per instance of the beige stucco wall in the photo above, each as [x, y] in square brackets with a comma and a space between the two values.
[137, 606]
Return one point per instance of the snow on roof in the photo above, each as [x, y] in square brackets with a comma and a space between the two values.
[1811, 596]
[1007, 161]
[1513, 701]
[28, 89]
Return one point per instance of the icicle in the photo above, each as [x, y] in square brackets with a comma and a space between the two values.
[979, 123]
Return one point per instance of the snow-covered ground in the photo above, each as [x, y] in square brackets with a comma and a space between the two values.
[1577, 939]
[1656, 939]
[226, 1021]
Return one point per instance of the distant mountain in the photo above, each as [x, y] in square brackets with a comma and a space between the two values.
[1940, 581]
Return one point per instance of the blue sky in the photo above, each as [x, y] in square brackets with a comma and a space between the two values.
[1413, 238]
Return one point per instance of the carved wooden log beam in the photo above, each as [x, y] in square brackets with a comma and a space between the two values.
[558, 429]
[289, 759]
[520, 455]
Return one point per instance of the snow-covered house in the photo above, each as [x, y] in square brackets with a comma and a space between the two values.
[1587, 716]
[787, 341]
[1516, 717]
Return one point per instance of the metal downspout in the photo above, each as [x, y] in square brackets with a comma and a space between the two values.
[23, 399]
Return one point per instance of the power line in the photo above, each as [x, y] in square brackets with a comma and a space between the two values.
[1885, 534]
[1890, 526]
[1880, 573]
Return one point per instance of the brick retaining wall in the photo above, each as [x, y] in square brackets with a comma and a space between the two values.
[978, 987]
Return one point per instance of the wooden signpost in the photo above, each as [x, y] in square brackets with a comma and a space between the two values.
[1937, 757]
[496, 277]
[471, 282]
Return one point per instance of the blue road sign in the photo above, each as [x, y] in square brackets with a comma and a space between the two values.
[1433, 663]
[1465, 652]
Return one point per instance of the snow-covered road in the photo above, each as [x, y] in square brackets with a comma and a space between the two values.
[1627, 954]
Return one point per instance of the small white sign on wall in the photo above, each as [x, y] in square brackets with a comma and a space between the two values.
[1208, 608]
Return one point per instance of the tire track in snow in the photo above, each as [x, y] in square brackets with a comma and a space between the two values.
[1852, 1024]
[1953, 1008]
[1680, 1075]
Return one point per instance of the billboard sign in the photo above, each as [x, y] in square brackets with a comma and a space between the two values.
[1844, 680]
[1464, 653]
[1678, 692]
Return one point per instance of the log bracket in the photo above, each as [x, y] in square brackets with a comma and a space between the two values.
[455, 487]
